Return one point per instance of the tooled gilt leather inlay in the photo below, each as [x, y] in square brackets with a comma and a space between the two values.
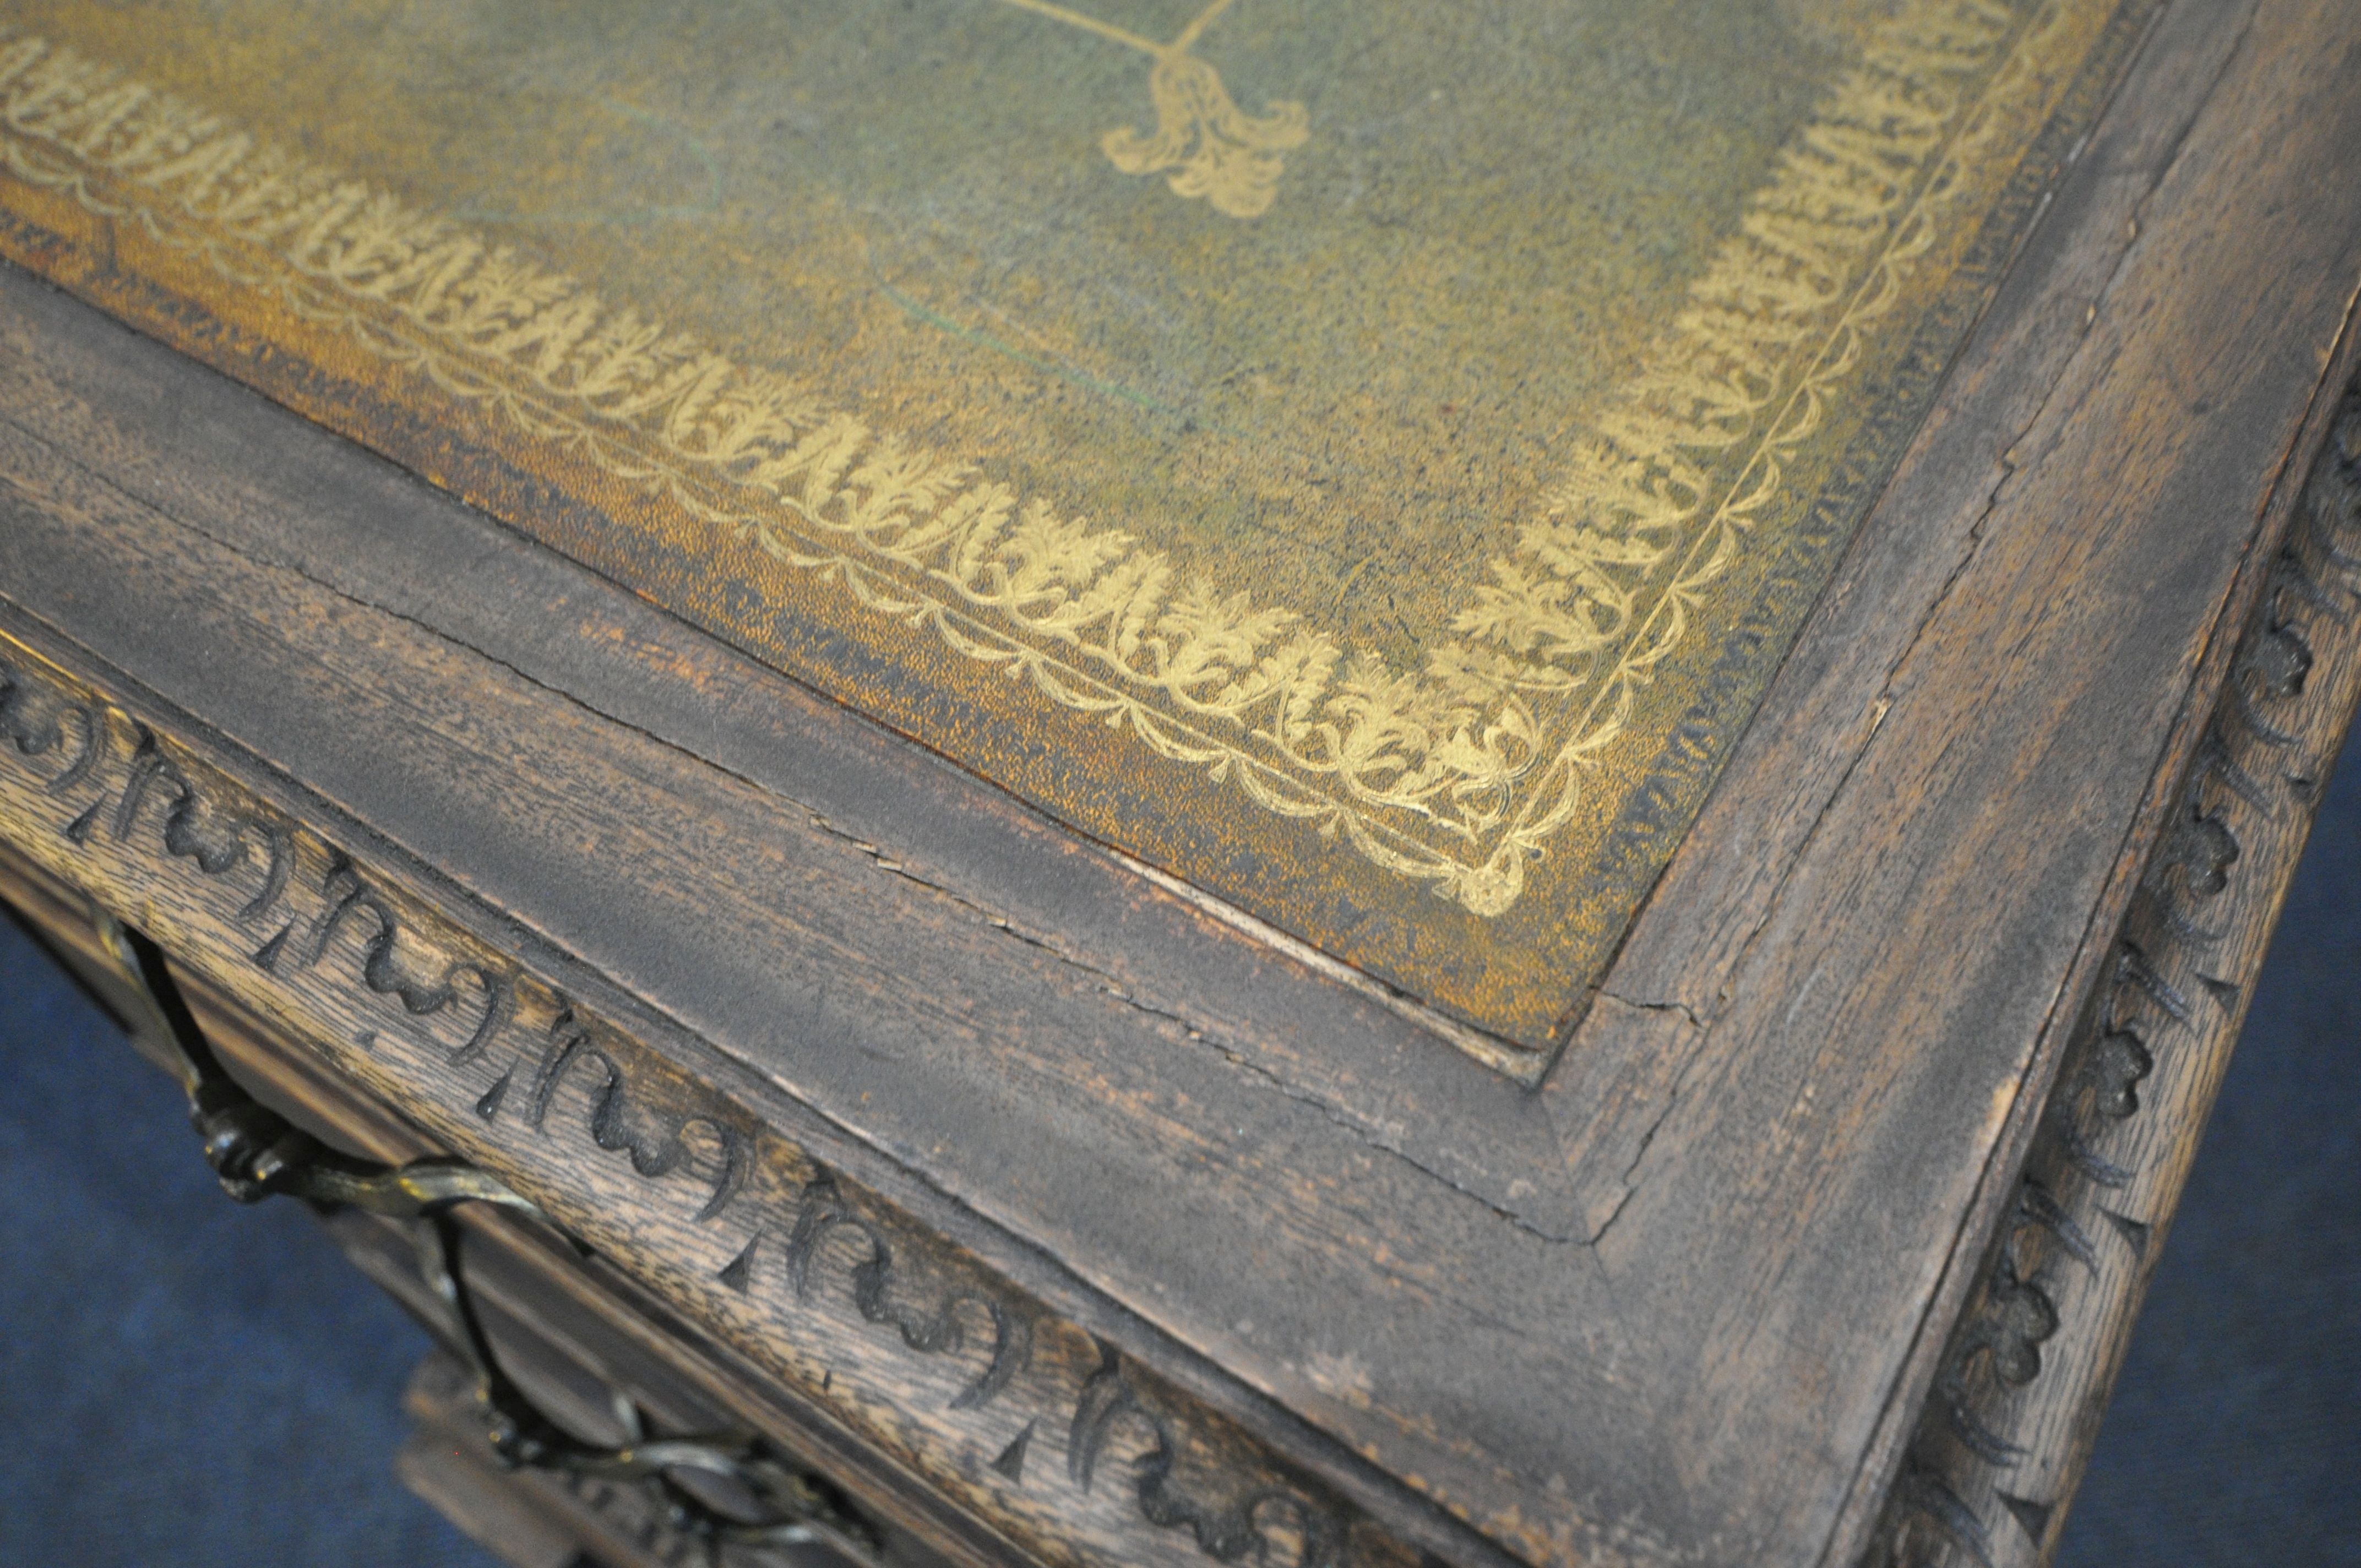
[1456, 770]
[1041, 1427]
[1999, 1445]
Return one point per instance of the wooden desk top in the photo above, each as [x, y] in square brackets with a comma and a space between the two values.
[1105, 1197]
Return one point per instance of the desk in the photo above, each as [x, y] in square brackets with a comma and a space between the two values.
[1018, 1179]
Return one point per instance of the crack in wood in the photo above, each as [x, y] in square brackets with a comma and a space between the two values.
[174, 845]
[1987, 1443]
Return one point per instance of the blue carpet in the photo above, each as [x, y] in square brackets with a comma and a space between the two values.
[191, 1382]
[2234, 1437]
[185, 1380]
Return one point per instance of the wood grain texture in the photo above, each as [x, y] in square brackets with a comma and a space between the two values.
[1880, 934]
[909, 1342]
[1830, 700]
[1680, 1306]
[63, 922]
[522, 1518]
[2024, 1377]
[581, 1310]
[1021, 1081]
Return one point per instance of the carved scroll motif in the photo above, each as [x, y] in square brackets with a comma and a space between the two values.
[913, 1342]
[1992, 1465]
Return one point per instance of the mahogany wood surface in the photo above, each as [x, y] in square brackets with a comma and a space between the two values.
[1684, 1303]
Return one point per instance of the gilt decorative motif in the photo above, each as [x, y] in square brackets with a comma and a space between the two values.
[1456, 771]
[1213, 149]
[1203, 144]
[1454, 774]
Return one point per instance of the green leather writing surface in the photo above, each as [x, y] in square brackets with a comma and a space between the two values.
[1364, 460]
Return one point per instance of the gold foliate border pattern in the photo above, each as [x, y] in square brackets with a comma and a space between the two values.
[1453, 774]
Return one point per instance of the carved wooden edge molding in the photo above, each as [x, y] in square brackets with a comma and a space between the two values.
[1074, 1452]
[2025, 1379]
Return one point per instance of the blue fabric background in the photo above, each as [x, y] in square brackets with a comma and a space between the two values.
[185, 1380]
[2234, 1437]
[191, 1382]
